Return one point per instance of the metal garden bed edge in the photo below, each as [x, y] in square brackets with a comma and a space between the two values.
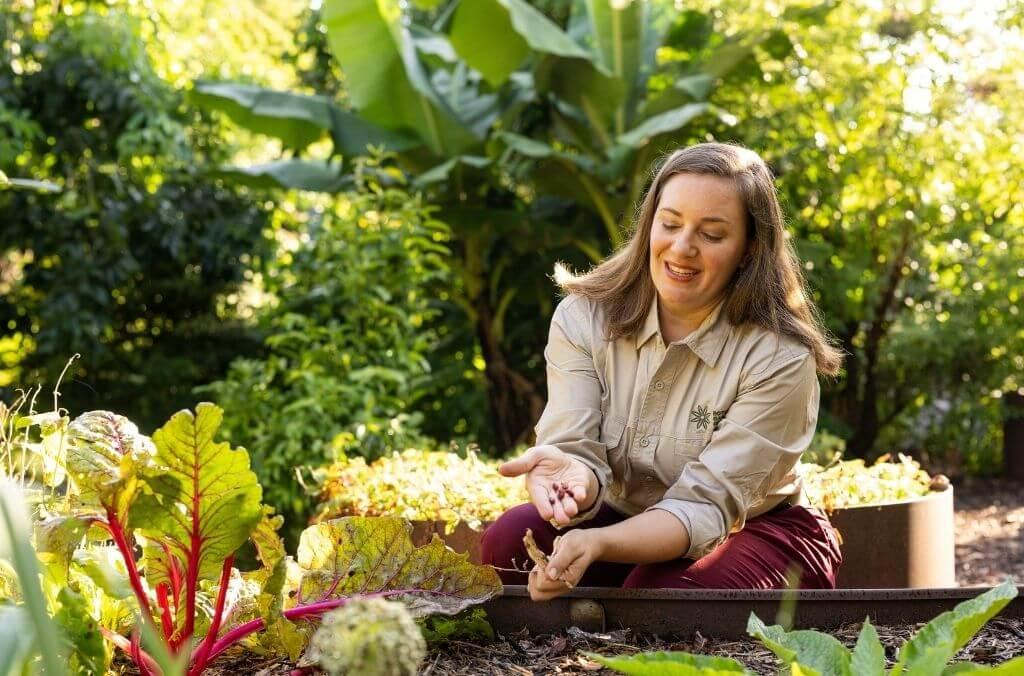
[722, 613]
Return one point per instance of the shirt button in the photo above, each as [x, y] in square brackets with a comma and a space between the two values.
[645, 442]
[659, 385]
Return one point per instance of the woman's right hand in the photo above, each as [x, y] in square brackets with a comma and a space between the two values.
[546, 468]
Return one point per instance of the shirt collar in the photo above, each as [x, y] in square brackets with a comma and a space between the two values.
[706, 342]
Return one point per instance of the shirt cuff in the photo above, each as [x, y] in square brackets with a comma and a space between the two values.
[702, 521]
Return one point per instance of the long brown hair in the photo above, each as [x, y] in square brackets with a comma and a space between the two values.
[769, 290]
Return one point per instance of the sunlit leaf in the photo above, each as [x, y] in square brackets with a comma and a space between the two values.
[364, 555]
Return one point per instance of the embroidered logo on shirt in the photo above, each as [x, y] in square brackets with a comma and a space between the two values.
[701, 416]
[704, 418]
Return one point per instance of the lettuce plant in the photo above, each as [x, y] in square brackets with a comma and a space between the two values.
[179, 505]
[812, 653]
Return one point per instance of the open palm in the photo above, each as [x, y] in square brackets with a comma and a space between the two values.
[556, 481]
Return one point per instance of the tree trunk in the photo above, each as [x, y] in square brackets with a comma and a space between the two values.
[866, 431]
[515, 405]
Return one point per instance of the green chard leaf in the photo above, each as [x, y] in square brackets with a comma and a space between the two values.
[87, 650]
[811, 649]
[1013, 667]
[105, 568]
[352, 556]
[936, 643]
[273, 581]
[104, 455]
[281, 634]
[57, 538]
[667, 663]
[202, 503]
[868, 655]
[269, 545]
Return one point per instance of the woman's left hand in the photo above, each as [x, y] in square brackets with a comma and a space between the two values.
[573, 553]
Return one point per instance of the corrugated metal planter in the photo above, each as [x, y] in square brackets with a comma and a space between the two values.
[907, 544]
[900, 545]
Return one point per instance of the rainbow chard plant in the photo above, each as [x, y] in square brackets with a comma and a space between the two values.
[178, 507]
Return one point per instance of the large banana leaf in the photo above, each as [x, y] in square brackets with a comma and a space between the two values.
[384, 77]
[472, 34]
[581, 83]
[541, 33]
[312, 175]
[664, 123]
[440, 173]
[296, 119]
[623, 37]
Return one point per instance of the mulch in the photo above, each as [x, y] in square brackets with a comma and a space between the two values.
[989, 531]
[562, 653]
[989, 547]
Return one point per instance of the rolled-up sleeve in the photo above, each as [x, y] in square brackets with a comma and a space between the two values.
[571, 420]
[760, 440]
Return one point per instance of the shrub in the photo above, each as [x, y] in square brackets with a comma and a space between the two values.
[348, 338]
[419, 485]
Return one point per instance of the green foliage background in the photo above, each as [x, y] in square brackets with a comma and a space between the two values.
[409, 305]
[345, 368]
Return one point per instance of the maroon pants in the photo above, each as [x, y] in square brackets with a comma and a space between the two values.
[757, 557]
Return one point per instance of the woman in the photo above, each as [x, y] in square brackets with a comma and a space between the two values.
[682, 390]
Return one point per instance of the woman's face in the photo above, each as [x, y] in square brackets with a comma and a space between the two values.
[700, 231]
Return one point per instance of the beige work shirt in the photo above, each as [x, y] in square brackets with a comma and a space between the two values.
[708, 428]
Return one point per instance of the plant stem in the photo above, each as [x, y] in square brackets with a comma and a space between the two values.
[166, 618]
[136, 653]
[192, 571]
[202, 656]
[117, 532]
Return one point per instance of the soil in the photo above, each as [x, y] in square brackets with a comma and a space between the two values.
[989, 532]
[989, 547]
[563, 653]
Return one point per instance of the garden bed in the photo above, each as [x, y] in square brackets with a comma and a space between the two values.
[559, 653]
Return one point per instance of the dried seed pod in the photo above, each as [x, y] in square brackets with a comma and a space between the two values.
[540, 559]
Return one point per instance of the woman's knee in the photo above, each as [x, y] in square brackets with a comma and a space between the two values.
[503, 540]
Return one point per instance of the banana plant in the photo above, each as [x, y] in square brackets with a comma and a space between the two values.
[532, 136]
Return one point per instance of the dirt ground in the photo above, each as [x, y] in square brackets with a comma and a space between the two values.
[989, 532]
[563, 653]
[989, 547]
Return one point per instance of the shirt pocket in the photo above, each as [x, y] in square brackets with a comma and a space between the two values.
[613, 436]
[612, 430]
[683, 451]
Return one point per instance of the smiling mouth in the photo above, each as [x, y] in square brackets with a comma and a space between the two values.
[680, 274]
